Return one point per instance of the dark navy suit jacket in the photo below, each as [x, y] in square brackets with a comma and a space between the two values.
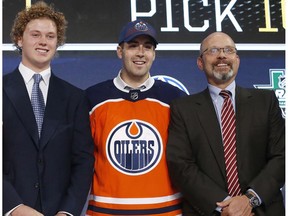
[55, 171]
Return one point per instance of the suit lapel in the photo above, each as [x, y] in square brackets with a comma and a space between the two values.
[243, 108]
[243, 121]
[209, 123]
[15, 89]
[56, 100]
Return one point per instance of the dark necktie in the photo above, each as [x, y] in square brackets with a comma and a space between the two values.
[37, 102]
[229, 141]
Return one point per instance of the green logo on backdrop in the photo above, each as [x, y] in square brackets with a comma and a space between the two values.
[278, 85]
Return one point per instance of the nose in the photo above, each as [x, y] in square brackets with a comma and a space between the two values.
[221, 53]
[141, 50]
[43, 40]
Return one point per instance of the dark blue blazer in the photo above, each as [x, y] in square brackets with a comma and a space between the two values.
[57, 169]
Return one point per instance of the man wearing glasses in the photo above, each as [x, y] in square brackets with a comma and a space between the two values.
[225, 149]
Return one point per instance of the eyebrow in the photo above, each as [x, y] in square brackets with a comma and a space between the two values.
[146, 42]
[38, 31]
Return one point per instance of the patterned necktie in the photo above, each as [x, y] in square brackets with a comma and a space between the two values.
[37, 102]
[229, 141]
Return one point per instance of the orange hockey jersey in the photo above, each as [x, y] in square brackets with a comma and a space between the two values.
[130, 134]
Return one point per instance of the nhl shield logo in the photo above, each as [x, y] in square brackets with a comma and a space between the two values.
[134, 147]
[134, 95]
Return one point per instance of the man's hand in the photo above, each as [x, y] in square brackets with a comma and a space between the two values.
[24, 210]
[236, 206]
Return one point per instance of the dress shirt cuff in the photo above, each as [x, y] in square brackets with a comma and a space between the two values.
[9, 212]
[255, 194]
[63, 212]
[219, 209]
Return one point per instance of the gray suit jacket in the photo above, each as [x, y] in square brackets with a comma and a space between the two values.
[195, 151]
[55, 172]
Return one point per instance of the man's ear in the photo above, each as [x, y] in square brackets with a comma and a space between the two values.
[154, 55]
[119, 52]
[19, 42]
[200, 63]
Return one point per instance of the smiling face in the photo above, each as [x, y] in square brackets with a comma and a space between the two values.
[39, 44]
[220, 68]
[137, 56]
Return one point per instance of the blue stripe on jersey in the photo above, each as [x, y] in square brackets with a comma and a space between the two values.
[161, 91]
[134, 212]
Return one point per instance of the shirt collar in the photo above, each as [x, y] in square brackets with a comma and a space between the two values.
[27, 74]
[214, 91]
[121, 85]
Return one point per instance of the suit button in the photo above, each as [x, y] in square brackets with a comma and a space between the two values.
[40, 161]
[36, 185]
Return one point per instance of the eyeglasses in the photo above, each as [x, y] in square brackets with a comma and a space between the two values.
[215, 51]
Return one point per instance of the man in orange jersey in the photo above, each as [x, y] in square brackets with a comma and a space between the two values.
[129, 120]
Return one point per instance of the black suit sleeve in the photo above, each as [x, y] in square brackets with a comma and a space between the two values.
[272, 176]
[82, 161]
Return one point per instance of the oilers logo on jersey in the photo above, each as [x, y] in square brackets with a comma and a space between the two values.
[129, 152]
